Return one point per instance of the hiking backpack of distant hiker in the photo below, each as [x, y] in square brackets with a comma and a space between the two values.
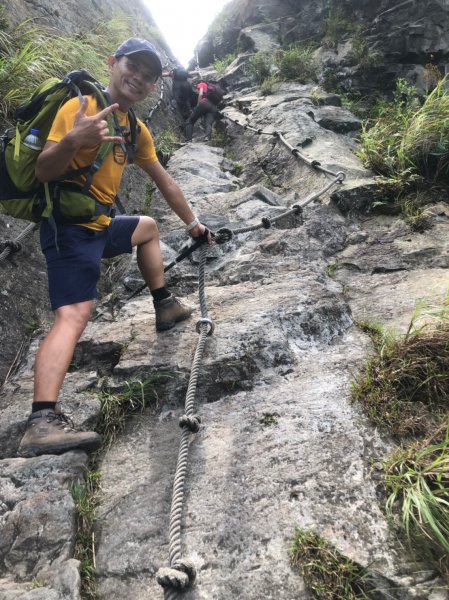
[214, 92]
[21, 194]
[180, 74]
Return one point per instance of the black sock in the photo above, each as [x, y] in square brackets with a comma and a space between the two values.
[42, 406]
[160, 294]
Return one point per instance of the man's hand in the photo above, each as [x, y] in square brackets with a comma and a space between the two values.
[199, 230]
[94, 130]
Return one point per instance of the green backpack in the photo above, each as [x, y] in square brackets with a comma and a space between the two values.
[21, 195]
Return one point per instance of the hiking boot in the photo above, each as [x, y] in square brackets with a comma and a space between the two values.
[52, 432]
[169, 311]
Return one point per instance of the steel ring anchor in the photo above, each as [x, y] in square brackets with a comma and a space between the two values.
[209, 322]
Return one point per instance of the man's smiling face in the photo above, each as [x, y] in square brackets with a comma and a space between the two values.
[131, 79]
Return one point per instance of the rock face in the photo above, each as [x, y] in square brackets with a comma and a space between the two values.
[362, 45]
[279, 445]
[72, 16]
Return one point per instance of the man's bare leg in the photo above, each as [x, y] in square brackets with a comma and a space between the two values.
[56, 351]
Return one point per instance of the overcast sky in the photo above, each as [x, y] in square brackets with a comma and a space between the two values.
[184, 22]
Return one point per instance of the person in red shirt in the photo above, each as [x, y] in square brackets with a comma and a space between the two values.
[207, 108]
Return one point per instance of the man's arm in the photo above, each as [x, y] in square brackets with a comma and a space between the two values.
[55, 157]
[173, 196]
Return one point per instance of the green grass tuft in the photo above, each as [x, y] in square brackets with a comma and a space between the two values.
[405, 385]
[327, 573]
[30, 54]
[418, 480]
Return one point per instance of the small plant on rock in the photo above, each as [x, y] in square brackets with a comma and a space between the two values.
[296, 63]
[327, 573]
[405, 385]
[260, 65]
[220, 65]
[418, 480]
[338, 25]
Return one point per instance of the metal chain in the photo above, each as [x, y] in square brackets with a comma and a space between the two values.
[29, 229]
[156, 106]
[181, 573]
[315, 164]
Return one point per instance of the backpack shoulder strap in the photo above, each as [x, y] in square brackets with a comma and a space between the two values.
[103, 100]
[135, 130]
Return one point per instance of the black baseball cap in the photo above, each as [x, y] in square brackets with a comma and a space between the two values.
[139, 46]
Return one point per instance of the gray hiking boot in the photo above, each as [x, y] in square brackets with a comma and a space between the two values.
[51, 432]
[170, 311]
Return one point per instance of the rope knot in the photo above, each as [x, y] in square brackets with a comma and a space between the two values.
[315, 164]
[179, 576]
[223, 235]
[276, 134]
[295, 152]
[13, 246]
[259, 131]
[192, 423]
[266, 222]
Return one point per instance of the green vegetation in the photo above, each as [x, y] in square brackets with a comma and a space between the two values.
[269, 419]
[4, 19]
[327, 573]
[86, 496]
[296, 63]
[220, 65]
[410, 137]
[166, 140]
[418, 481]
[362, 54]
[269, 85]
[338, 25]
[29, 54]
[405, 385]
[117, 406]
[405, 390]
[260, 65]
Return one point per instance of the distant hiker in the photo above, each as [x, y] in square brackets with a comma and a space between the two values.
[209, 98]
[183, 94]
[74, 252]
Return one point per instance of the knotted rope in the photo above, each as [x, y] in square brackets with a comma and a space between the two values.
[181, 573]
[7, 247]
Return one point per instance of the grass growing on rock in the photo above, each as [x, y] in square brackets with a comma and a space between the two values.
[86, 496]
[405, 391]
[405, 386]
[417, 479]
[410, 136]
[327, 573]
[117, 406]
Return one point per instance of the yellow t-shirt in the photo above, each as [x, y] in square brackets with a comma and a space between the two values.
[106, 182]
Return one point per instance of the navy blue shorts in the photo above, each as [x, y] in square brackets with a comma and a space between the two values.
[74, 270]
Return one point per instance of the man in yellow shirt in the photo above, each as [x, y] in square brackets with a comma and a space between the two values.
[73, 256]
